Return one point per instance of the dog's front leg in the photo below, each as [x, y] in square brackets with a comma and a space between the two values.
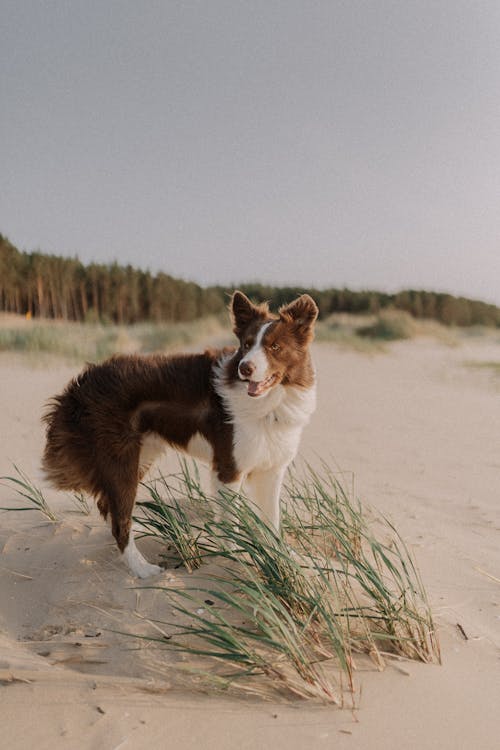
[264, 489]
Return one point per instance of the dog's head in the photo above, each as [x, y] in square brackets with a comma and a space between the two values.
[273, 348]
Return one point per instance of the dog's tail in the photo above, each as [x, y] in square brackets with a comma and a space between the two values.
[66, 451]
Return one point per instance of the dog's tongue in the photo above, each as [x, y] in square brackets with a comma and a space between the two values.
[255, 388]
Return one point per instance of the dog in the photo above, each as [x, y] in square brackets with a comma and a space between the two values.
[241, 410]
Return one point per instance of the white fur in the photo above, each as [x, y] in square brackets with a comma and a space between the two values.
[264, 487]
[266, 435]
[139, 567]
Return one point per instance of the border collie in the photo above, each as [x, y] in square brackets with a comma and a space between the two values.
[240, 410]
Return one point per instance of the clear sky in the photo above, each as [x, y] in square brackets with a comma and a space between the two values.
[315, 143]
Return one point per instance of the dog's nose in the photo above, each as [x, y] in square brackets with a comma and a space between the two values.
[246, 369]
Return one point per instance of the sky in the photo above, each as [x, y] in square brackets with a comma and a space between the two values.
[339, 143]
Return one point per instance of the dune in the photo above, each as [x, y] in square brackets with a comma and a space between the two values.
[415, 428]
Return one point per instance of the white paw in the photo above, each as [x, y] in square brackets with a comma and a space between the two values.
[137, 564]
[145, 570]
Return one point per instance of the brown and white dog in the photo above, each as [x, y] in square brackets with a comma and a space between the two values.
[240, 410]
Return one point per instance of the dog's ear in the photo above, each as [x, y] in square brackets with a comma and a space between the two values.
[301, 314]
[243, 312]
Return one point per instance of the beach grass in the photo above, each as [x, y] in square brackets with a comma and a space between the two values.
[166, 517]
[390, 325]
[25, 488]
[80, 342]
[343, 330]
[81, 503]
[74, 342]
[294, 608]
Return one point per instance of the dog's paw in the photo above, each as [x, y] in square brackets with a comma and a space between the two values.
[137, 564]
[145, 570]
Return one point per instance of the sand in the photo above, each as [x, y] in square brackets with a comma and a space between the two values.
[419, 431]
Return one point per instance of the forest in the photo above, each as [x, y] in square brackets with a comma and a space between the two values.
[49, 286]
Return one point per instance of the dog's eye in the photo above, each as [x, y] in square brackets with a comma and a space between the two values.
[246, 345]
[275, 347]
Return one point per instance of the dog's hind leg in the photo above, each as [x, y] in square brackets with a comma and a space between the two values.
[121, 526]
[119, 499]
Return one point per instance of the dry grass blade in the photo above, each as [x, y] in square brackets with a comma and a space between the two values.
[81, 503]
[24, 487]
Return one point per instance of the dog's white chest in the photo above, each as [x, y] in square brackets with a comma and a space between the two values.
[267, 433]
[265, 444]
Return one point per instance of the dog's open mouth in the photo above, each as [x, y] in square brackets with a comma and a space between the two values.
[257, 388]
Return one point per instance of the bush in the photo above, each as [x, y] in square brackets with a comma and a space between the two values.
[390, 325]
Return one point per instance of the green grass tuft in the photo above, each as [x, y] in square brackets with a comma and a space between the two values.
[294, 608]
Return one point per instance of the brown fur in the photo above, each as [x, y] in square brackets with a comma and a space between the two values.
[95, 426]
[286, 341]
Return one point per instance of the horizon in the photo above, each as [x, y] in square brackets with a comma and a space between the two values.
[326, 146]
[255, 282]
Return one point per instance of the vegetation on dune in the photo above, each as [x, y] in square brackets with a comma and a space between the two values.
[23, 486]
[297, 609]
[95, 342]
[390, 325]
[296, 612]
[49, 286]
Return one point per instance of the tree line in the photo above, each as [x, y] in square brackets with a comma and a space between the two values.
[49, 286]
[445, 308]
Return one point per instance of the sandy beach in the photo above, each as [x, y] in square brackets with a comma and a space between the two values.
[416, 427]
